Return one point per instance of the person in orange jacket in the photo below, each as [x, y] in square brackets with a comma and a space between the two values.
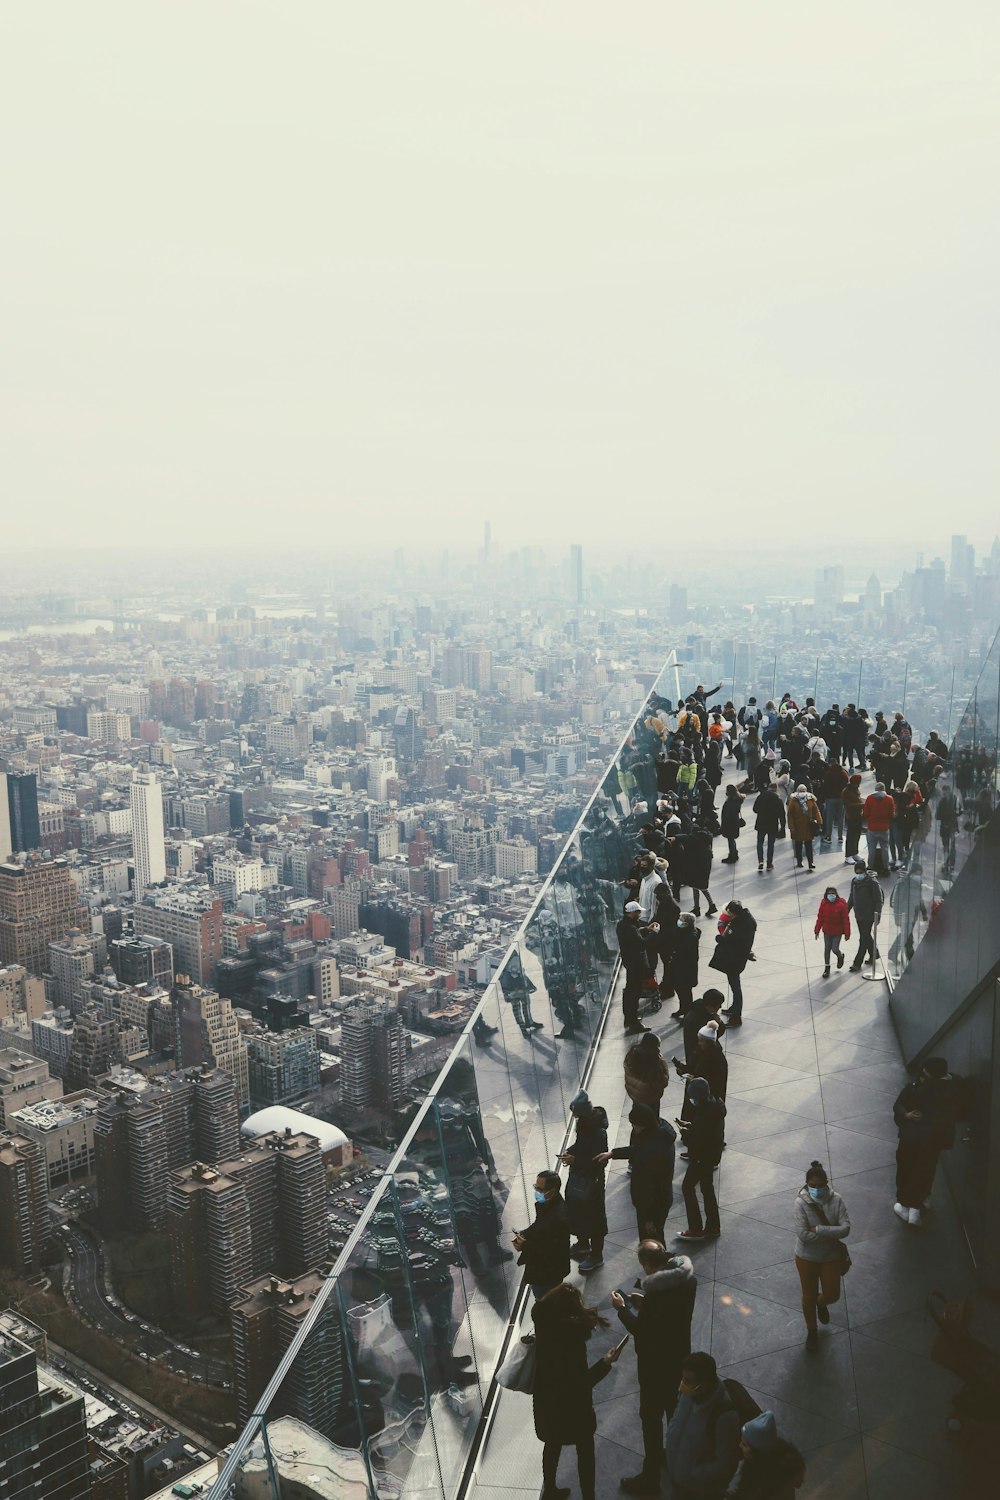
[833, 920]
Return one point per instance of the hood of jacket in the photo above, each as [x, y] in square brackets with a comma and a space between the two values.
[669, 1278]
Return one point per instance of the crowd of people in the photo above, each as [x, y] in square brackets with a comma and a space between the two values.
[799, 772]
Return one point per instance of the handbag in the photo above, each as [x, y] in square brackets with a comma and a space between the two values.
[517, 1373]
[844, 1262]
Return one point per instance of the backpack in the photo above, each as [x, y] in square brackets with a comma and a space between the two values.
[743, 1404]
[751, 716]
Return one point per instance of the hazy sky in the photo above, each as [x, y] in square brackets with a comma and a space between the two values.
[291, 272]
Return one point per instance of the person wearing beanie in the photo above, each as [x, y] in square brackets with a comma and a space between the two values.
[770, 1468]
[822, 1223]
[706, 1008]
[703, 1134]
[710, 1063]
[646, 1072]
[585, 1187]
[633, 945]
[651, 1154]
[659, 1319]
[854, 816]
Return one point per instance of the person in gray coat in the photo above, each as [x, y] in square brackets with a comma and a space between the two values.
[703, 1438]
[822, 1223]
[865, 899]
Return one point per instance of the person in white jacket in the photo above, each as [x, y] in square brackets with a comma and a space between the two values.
[822, 1223]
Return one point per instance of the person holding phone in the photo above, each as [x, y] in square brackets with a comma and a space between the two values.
[659, 1320]
[562, 1395]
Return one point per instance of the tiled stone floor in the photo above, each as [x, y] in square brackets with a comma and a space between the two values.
[813, 1073]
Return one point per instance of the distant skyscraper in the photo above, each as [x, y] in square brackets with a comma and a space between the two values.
[43, 1432]
[147, 831]
[264, 1320]
[21, 828]
[24, 1208]
[576, 573]
[39, 903]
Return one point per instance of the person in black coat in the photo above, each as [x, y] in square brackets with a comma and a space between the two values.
[704, 1136]
[733, 951]
[666, 913]
[925, 1113]
[731, 822]
[544, 1245]
[562, 1393]
[691, 856]
[684, 962]
[706, 1008]
[710, 1063]
[633, 945]
[769, 812]
[659, 1319]
[650, 1152]
[585, 1188]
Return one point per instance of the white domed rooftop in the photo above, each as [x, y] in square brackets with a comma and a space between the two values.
[279, 1117]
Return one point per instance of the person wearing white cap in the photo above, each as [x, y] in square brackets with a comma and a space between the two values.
[633, 945]
[770, 1468]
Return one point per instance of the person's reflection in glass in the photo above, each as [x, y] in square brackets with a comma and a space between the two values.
[517, 990]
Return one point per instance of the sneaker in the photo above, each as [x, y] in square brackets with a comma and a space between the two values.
[690, 1234]
[840, 960]
[812, 867]
[591, 1263]
[901, 1212]
[798, 864]
[826, 972]
[812, 1340]
[770, 867]
[915, 1217]
[760, 864]
[822, 1312]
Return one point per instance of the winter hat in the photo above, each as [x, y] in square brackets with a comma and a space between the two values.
[641, 1114]
[650, 1041]
[698, 1090]
[580, 1103]
[855, 779]
[631, 906]
[709, 1032]
[761, 1432]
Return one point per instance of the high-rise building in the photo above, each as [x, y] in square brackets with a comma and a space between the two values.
[43, 1432]
[39, 903]
[283, 1068]
[142, 960]
[21, 830]
[207, 1031]
[216, 1115]
[208, 1221]
[94, 1049]
[24, 1206]
[373, 1054]
[71, 961]
[23, 1080]
[264, 1320]
[191, 922]
[148, 848]
[20, 993]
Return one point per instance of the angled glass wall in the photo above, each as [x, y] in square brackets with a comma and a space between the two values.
[390, 1359]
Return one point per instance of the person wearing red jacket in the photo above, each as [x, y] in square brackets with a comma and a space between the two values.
[833, 920]
[878, 812]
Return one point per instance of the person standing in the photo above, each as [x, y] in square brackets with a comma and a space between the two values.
[658, 1317]
[633, 946]
[854, 817]
[769, 812]
[544, 1245]
[833, 920]
[731, 822]
[822, 1224]
[585, 1206]
[733, 951]
[703, 1134]
[702, 1448]
[702, 1011]
[835, 779]
[650, 1152]
[562, 1391]
[925, 1114]
[879, 812]
[710, 1063]
[646, 1072]
[804, 822]
[684, 963]
[866, 899]
[770, 1468]
[854, 732]
[666, 914]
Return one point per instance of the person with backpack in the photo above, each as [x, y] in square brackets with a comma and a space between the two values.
[658, 1317]
[822, 1224]
[804, 822]
[925, 1113]
[703, 1440]
[650, 1153]
[866, 899]
[770, 1468]
[703, 1134]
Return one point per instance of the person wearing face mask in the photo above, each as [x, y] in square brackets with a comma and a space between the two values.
[866, 899]
[684, 962]
[804, 822]
[703, 1438]
[822, 1223]
[770, 1468]
[544, 1245]
[833, 920]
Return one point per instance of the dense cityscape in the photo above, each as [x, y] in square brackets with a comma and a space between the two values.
[262, 849]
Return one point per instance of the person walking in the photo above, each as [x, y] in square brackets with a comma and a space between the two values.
[684, 963]
[866, 899]
[822, 1224]
[562, 1391]
[854, 817]
[585, 1206]
[633, 941]
[658, 1317]
[925, 1114]
[804, 822]
[770, 1468]
[833, 920]
[703, 1134]
[703, 1440]
[544, 1245]
[769, 814]
[733, 951]
[650, 1152]
[646, 1072]
[731, 822]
